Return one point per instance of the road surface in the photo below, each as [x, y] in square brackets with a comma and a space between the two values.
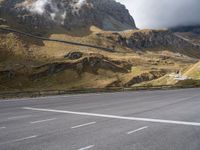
[141, 120]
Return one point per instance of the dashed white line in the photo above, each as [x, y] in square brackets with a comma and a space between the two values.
[2, 128]
[19, 140]
[82, 125]
[85, 148]
[26, 138]
[40, 121]
[118, 117]
[19, 117]
[130, 132]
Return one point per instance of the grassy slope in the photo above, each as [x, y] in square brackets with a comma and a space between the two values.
[194, 71]
[21, 55]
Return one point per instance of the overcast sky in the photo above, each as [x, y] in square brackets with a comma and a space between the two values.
[163, 13]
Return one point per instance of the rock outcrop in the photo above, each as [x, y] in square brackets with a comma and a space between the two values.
[148, 76]
[90, 64]
[154, 39]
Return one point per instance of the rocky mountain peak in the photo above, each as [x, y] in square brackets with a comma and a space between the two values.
[105, 14]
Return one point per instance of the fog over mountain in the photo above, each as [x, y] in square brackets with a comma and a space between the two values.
[39, 6]
[164, 13]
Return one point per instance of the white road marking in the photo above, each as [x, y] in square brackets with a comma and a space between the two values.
[19, 117]
[2, 128]
[26, 138]
[82, 125]
[19, 140]
[118, 117]
[130, 132]
[88, 147]
[40, 121]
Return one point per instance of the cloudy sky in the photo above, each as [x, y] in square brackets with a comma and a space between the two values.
[163, 13]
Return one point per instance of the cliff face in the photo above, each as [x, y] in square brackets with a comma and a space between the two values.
[157, 38]
[154, 39]
[105, 14]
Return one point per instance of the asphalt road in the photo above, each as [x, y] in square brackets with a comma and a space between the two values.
[142, 120]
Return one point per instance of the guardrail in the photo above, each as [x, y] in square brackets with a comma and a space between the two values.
[20, 94]
[55, 40]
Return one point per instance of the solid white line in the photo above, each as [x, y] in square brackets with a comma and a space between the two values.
[40, 121]
[19, 117]
[82, 125]
[2, 128]
[130, 132]
[117, 117]
[88, 147]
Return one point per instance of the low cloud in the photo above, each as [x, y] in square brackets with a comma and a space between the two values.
[39, 6]
[55, 9]
[80, 3]
[164, 13]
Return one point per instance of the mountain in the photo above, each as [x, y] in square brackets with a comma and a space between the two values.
[70, 14]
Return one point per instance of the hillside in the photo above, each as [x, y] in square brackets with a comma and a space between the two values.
[29, 63]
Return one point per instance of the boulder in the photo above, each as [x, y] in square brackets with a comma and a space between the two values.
[73, 55]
